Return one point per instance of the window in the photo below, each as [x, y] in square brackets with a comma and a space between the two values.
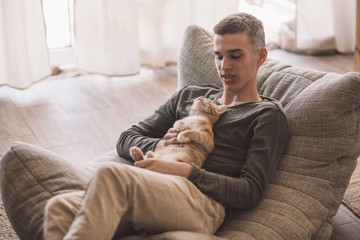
[59, 21]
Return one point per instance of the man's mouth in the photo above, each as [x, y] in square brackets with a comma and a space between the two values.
[227, 77]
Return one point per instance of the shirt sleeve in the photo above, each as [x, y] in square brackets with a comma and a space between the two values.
[148, 132]
[269, 139]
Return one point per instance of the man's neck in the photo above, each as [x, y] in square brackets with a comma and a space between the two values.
[231, 99]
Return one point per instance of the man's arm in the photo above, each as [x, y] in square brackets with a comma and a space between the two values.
[269, 140]
[148, 132]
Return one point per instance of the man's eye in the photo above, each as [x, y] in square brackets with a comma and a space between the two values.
[236, 56]
[219, 57]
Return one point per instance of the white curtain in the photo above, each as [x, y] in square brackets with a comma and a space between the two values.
[115, 37]
[321, 26]
[106, 33]
[24, 55]
[162, 24]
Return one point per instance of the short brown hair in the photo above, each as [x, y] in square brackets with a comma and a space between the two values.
[243, 22]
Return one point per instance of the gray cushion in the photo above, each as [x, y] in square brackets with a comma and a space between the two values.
[30, 176]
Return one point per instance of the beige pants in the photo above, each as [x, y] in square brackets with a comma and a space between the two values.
[120, 196]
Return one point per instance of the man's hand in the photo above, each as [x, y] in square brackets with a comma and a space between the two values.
[165, 166]
[170, 138]
[160, 165]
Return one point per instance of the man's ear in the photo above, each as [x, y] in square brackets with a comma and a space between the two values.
[262, 56]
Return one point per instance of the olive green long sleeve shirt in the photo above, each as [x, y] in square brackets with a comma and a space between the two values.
[249, 141]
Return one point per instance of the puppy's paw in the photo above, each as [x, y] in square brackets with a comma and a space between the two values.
[183, 138]
[150, 154]
[179, 126]
[136, 154]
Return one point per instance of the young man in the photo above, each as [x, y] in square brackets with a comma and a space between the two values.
[158, 195]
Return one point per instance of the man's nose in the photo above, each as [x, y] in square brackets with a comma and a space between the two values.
[225, 64]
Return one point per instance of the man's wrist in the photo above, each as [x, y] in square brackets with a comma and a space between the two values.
[187, 169]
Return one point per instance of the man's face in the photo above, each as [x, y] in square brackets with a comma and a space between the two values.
[236, 62]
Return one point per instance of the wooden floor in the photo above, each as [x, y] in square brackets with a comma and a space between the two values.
[81, 116]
